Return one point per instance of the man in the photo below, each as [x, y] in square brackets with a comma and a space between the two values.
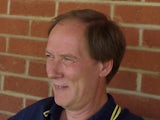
[84, 52]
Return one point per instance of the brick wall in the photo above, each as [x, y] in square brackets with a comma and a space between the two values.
[23, 36]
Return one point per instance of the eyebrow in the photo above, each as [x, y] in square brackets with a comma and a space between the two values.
[48, 52]
[63, 55]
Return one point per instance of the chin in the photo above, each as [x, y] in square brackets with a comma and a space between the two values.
[61, 101]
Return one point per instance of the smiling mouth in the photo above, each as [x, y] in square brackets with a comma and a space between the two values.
[60, 87]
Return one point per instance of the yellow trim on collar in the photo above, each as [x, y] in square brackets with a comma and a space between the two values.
[116, 112]
[45, 113]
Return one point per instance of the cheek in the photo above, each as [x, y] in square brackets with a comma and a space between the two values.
[82, 76]
[75, 71]
[89, 71]
[49, 69]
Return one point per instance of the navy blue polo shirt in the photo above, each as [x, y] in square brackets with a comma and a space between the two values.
[47, 109]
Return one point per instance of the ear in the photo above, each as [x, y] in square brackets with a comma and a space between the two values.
[106, 68]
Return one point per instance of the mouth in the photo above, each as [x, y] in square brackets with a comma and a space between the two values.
[60, 86]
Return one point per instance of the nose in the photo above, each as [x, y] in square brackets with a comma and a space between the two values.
[54, 69]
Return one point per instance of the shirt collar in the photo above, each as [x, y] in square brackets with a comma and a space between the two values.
[104, 113]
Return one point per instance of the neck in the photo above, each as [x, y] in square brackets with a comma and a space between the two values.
[88, 110]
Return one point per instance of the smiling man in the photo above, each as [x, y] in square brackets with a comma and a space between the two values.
[84, 51]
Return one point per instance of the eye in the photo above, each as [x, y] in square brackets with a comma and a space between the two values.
[67, 60]
[49, 56]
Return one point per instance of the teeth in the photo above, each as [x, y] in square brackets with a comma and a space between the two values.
[60, 87]
[57, 86]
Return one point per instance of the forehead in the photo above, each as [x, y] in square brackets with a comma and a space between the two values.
[69, 34]
[70, 25]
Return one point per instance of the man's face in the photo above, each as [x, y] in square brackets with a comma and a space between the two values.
[74, 74]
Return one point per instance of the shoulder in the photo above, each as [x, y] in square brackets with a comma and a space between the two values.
[127, 115]
[34, 111]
